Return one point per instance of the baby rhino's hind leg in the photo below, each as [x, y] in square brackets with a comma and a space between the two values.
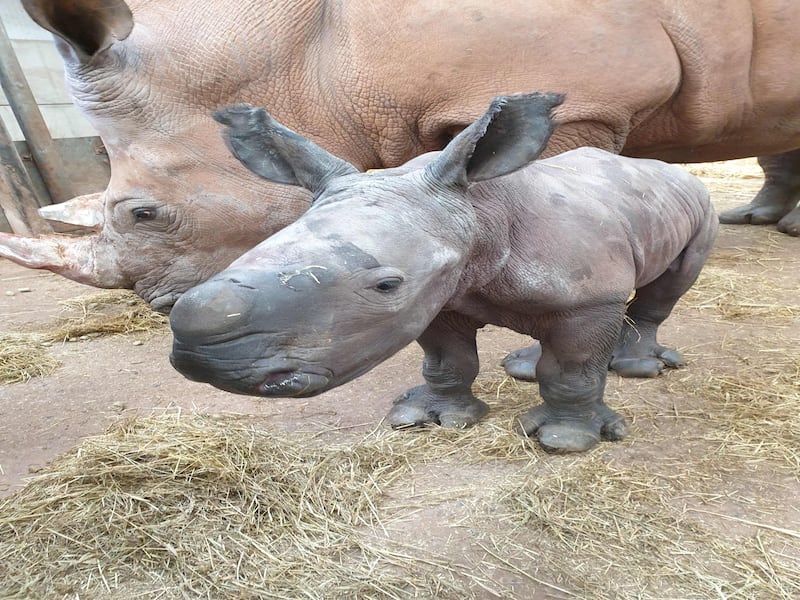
[638, 353]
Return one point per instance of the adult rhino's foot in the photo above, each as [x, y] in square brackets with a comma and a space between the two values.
[642, 360]
[755, 213]
[790, 224]
[521, 364]
[558, 432]
[420, 405]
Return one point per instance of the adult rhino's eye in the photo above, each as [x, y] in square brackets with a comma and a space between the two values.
[144, 214]
[388, 284]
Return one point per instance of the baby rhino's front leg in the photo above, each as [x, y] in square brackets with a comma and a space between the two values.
[449, 368]
[572, 377]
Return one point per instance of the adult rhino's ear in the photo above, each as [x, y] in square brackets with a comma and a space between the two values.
[84, 28]
[275, 152]
[510, 135]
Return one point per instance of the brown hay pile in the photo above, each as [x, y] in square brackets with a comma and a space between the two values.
[24, 356]
[190, 506]
[106, 313]
[607, 532]
[744, 168]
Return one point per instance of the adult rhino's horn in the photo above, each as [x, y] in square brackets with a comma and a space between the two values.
[73, 257]
[84, 211]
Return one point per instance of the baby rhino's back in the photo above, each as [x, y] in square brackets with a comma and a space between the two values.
[660, 207]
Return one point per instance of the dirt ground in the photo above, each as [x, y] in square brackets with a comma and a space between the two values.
[739, 330]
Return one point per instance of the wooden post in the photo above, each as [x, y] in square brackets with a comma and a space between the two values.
[17, 197]
[37, 135]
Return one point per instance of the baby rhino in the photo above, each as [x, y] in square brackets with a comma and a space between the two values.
[432, 251]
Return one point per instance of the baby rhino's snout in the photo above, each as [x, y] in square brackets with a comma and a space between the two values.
[211, 310]
[237, 332]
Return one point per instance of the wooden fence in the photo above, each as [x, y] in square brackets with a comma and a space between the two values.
[39, 166]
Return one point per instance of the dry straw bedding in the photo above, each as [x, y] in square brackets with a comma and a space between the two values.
[691, 506]
[24, 355]
[191, 506]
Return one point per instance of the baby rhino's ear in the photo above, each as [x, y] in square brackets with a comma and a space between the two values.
[275, 152]
[512, 134]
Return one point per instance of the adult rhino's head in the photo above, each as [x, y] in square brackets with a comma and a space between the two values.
[178, 207]
[363, 272]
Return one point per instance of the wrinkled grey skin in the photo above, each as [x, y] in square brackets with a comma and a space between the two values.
[378, 82]
[438, 248]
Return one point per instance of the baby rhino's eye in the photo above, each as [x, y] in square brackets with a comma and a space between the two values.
[388, 284]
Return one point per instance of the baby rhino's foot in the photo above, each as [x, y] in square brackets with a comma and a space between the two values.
[638, 361]
[557, 432]
[521, 364]
[421, 405]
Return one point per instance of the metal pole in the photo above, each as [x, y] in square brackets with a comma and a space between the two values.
[17, 198]
[45, 154]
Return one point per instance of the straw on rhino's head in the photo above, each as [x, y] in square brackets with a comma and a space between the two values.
[362, 273]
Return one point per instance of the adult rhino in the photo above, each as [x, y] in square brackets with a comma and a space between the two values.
[377, 82]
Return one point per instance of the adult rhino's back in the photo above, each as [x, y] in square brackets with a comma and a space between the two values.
[677, 80]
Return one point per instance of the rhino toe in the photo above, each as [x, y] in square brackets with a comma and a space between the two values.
[560, 433]
[644, 360]
[752, 214]
[790, 224]
[421, 405]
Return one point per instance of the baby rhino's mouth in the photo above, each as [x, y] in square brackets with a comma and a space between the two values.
[292, 384]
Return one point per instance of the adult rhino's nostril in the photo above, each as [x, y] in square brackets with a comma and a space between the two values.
[212, 308]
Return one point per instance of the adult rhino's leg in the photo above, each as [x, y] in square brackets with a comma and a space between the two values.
[572, 377]
[638, 353]
[450, 366]
[776, 202]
